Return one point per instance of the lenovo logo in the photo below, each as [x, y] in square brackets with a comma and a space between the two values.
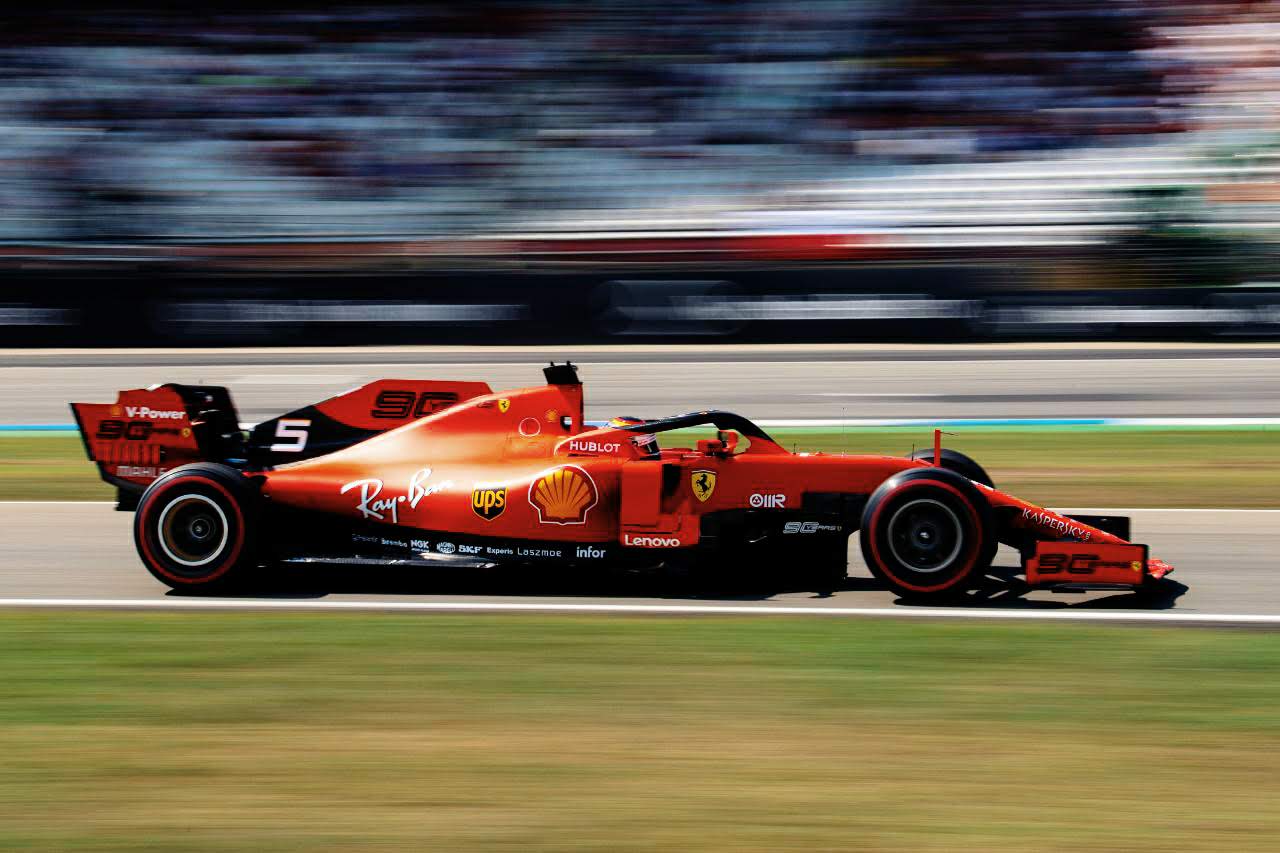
[650, 541]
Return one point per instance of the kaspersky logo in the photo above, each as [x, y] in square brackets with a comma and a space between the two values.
[563, 495]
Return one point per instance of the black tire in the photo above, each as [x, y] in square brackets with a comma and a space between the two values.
[928, 534]
[954, 460]
[196, 528]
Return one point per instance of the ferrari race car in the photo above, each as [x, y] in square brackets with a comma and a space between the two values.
[427, 472]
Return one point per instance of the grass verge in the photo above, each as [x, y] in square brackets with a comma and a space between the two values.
[1118, 467]
[249, 732]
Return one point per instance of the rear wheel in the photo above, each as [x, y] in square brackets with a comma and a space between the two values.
[927, 533]
[194, 528]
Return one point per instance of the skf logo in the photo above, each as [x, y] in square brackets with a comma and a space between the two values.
[563, 495]
[503, 405]
[488, 503]
[703, 484]
[760, 501]
[650, 541]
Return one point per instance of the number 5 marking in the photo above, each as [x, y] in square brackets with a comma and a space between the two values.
[293, 429]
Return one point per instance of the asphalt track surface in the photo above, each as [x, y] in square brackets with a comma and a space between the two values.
[1225, 559]
[827, 382]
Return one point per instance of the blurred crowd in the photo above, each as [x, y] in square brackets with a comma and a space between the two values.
[485, 118]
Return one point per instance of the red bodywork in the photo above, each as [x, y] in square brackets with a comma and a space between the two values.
[521, 466]
[561, 482]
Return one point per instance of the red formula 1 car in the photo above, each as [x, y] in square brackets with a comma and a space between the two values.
[423, 472]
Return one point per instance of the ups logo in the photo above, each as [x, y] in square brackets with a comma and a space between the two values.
[488, 503]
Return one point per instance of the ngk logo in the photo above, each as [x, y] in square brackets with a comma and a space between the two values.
[768, 501]
[650, 541]
[154, 414]
[588, 552]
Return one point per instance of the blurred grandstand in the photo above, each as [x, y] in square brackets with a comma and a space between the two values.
[885, 153]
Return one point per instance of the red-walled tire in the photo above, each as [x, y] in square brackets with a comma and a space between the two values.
[195, 528]
[928, 534]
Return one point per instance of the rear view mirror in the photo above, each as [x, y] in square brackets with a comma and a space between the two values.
[730, 440]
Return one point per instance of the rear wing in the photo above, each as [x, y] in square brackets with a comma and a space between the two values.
[148, 431]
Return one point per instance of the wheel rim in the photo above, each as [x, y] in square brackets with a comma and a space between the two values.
[193, 530]
[925, 535]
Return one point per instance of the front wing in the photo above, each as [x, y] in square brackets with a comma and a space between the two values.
[1061, 549]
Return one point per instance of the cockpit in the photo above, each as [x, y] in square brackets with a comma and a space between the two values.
[730, 428]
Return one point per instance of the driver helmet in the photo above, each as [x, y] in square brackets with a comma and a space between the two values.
[646, 442]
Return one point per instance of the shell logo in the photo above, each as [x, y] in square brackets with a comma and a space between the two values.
[563, 495]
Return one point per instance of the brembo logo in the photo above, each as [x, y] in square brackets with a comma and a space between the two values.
[154, 414]
[650, 541]
[768, 501]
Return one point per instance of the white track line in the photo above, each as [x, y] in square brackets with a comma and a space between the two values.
[1161, 616]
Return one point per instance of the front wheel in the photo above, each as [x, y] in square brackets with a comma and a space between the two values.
[927, 533]
[954, 460]
[194, 528]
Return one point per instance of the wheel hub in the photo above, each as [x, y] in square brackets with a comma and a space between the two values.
[925, 535]
[192, 530]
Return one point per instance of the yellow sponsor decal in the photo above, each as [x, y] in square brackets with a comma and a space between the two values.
[488, 503]
[563, 495]
[703, 483]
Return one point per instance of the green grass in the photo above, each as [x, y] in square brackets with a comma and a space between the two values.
[48, 467]
[247, 732]
[1118, 467]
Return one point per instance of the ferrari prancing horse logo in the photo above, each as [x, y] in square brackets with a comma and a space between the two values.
[703, 483]
[503, 405]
